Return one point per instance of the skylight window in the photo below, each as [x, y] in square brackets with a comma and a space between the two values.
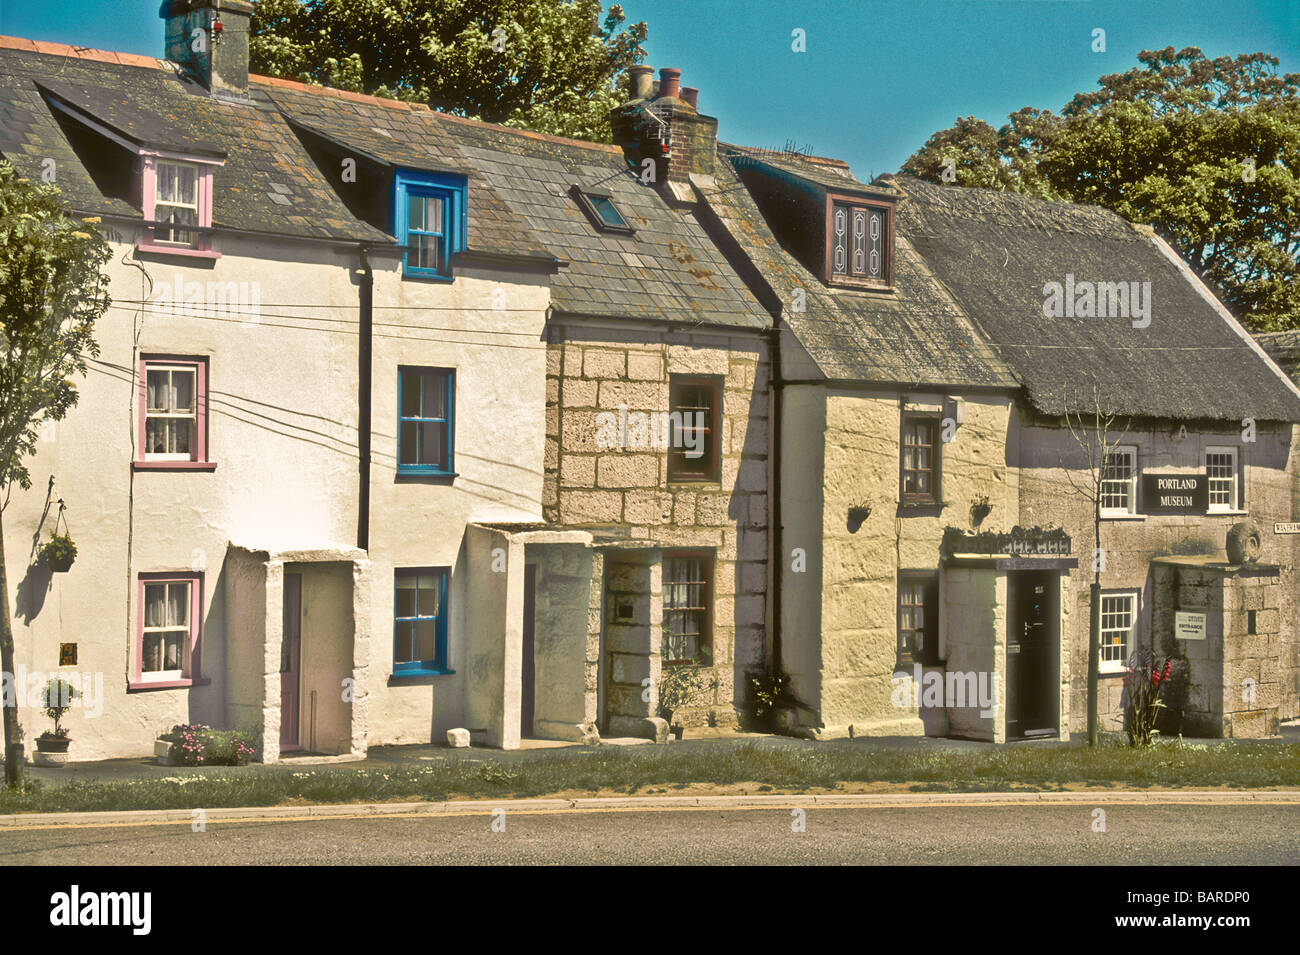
[600, 207]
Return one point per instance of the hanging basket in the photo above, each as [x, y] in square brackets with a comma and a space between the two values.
[59, 554]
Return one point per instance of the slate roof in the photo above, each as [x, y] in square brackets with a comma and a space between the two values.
[914, 335]
[519, 201]
[668, 270]
[995, 251]
[146, 101]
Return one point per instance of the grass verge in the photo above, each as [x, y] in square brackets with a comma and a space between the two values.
[1171, 765]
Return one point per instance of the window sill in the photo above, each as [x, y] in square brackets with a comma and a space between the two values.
[174, 465]
[417, 677]
[415, 475]
[427, 276]
[177, 250]
[137, 686]
[695, 483]
[1227, 513]
[1123, 517]
[1106, 673]
[922, 505]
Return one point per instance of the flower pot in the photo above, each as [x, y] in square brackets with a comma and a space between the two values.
[49, 759]
[60, 564]
[52, 744]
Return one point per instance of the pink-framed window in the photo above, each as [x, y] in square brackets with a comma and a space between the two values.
[176, 193]
[169, 627]
[172, 428]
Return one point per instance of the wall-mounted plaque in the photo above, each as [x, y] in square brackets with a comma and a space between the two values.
[1174, 494]
[1189, 625]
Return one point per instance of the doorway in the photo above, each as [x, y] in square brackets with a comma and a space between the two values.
[528, 691]
[1033, 654]
[290, 659]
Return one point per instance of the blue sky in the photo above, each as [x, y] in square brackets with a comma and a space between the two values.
[878, 76]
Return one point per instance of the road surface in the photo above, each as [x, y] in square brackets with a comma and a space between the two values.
[924, 835]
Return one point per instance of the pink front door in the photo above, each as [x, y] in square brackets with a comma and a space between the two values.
[290, 652]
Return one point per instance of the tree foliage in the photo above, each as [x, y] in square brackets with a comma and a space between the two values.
[1205, 150]
[544, 65]
[51, 293]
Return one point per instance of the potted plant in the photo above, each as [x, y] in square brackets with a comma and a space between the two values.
[56, 699]
[59, 553]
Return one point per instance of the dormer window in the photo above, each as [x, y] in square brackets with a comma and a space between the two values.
[429, 221]
[603, 212]
[176, 200]
[860, 243]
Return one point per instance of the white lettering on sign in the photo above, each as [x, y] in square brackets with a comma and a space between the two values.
[1189, 626]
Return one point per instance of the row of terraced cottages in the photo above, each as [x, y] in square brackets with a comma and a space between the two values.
[404, 422]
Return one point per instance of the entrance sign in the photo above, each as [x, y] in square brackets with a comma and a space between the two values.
[1175, 493]
[1021, 541]
[1189, 626]
[1285, 528]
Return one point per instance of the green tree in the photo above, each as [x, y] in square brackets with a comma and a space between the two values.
[1207, 151]
[52, 292]
[545, 65]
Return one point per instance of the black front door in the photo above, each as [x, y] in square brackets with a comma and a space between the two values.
[1032, 647]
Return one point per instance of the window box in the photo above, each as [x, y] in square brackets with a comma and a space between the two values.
[429, 222]
[172, 430]
[426, 421]
[420, 622]
[168, 631]
[695, 408]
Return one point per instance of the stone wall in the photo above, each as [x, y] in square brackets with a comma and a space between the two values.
[1048, 498]
[593, 371]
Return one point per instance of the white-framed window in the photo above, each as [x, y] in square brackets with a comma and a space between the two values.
[1221, 476]
[176, 201]
[1119, 474]
[1119, 614]
[171, 414]
[166, 635]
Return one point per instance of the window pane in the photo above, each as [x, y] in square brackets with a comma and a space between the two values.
[876, 233]
[411, 394]
[152, 657]
[607, 211]
[182, 397]
[177, 183]
[424, 640]
[840, 241]
[435, 394]
[424, 251]
[404, 651]
[158, 390]
[859, 241]
[410, 443]
[155, 605]
[172, 651]
[178, 605]
[433, 443]
[406, 597]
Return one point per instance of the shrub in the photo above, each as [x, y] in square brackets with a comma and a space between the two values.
[767, 692]
[1144, 685]
[56, 699]
[194, 744]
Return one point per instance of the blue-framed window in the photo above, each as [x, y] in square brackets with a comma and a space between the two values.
[425, 418]
[429, 221]
[420, 621]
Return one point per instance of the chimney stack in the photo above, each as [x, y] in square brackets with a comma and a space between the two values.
[209, 38]
[664, 127]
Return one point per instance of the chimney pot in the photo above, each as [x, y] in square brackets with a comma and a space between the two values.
[641, 79]
[670, 82]
[690, 96]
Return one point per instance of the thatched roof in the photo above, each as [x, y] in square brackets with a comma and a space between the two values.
[996, 252]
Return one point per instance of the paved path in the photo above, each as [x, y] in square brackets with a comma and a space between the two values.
[1136, 834]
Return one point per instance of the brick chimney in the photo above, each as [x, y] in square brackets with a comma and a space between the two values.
[209, 39]
[664, 126]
